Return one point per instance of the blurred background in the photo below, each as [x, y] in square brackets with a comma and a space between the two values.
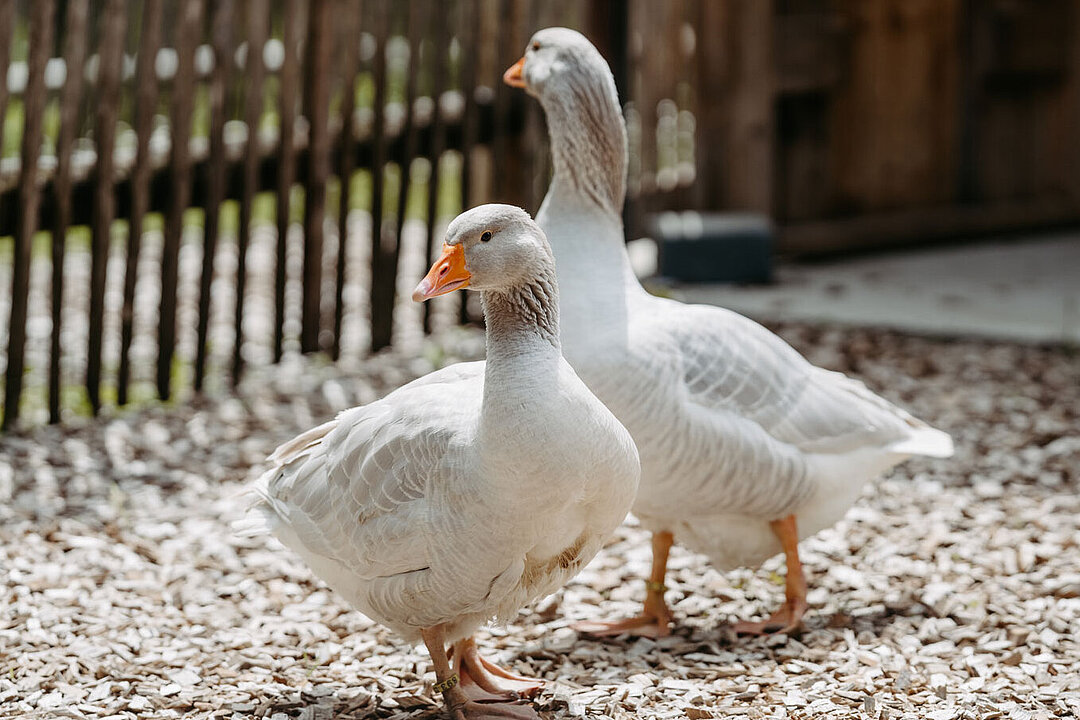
[188, 187]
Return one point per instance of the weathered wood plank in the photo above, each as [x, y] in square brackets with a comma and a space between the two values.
[382, 282]
[7, 20]
[413, 32]
[909, 227]
[74, 56]
[107, 102]
[810, 51]
[258, 20]
[146, 97]
[1021, 120]
[608, 25]
[41, 42]
[289, 79]
[467, 36]
[896, 148]
[221, 40]
[317, 108]
[441, 74]
[750, 132]
[189, 24]
[350, 11]
[535, 136]
[511, 169]
[608, 28]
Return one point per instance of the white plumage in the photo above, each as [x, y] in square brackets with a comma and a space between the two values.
[474, 490]
[405, 508]
[735, 429]
[732, 424]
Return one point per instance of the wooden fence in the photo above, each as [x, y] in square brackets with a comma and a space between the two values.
[181, 104]
[852, 123]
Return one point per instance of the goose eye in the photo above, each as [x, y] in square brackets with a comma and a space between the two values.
[536, 46]
[485, 237]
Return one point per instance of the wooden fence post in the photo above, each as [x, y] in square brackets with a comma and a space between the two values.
[413, 33]
[441, 73]
[7, 19]
[468, 34]
[74, 56]
[609, 30]
[146, 93]
[316, 108]
[346, 161]
[187, 39]
[710, 114]
[512, 176]
[383, 275]
[289, 79]
[41, 32]
[258, 24]
[221, 33]
[111, 55]
[750, 139]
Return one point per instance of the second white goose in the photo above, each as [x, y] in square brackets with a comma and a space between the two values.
[745, 446]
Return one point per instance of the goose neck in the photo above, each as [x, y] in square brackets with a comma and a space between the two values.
[522, 323]
[588, 143]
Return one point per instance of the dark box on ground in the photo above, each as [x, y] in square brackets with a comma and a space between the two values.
[714, 247]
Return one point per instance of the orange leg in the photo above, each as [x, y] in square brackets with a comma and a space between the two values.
[789, 616]
[655, 619]
[485, 681]
[458, 700]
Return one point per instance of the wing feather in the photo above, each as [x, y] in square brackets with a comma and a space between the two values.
[734, 365]
[366, 492]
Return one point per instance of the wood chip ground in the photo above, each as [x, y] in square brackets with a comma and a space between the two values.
[951, 590]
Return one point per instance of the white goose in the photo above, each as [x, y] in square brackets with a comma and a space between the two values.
[472, 491]
[745, 446]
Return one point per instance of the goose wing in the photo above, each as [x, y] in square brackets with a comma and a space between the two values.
[376, 495]
[732, 364]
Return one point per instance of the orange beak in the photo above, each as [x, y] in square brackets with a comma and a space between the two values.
[513, 75]
[446, 275]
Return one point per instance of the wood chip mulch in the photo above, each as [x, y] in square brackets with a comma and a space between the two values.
[952, 589]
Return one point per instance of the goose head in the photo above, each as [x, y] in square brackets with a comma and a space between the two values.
[558, 61]
[574, 85]
[489, 248]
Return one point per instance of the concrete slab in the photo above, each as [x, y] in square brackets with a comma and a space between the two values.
[1024, 289]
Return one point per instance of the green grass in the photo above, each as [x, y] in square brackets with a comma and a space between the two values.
[15, 122]
[200, 116]
[74, 399]
[13, 127]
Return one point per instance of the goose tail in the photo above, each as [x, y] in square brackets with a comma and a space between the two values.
[262, 517]
[926, 441]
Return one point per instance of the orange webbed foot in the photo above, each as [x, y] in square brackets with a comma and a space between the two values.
[644, 625]
[787, 620]
[484, 681]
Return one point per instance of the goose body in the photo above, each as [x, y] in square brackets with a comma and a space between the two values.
[472, 491]
[733, 426]
[736, 429]
[381, 501]
[745, 446]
